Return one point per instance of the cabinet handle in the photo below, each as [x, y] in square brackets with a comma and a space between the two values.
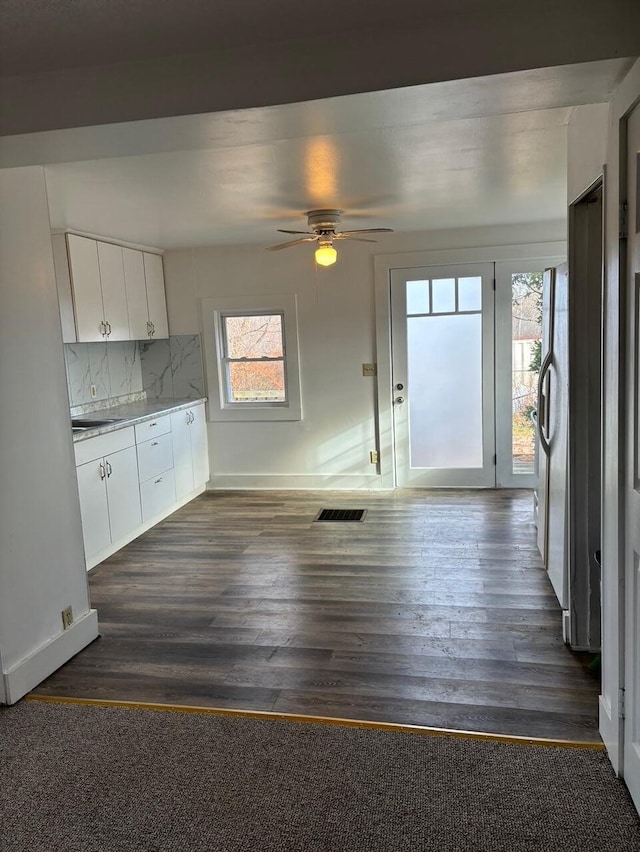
[109, 469]
[103, 472]
[102, 328]
[155, 443]
[158, 480]
[109, 329]
[193, 417]
[151, 425]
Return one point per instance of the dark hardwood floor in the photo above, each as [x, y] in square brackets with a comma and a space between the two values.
[434, 611]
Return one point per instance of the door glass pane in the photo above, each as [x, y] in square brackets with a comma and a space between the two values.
[526, 345]
[444, 357]
[417, 297]
[443, 292]
[470, 294]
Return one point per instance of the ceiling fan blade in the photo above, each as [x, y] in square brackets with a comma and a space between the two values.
[368, 231]
[292, 243]
[282, 231]
[353, 239]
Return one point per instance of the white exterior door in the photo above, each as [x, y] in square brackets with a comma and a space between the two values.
[443, 375]
[631, 759]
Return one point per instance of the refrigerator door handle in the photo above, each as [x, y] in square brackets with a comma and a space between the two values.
[542, 410]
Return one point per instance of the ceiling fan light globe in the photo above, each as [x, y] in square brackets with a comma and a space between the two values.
[326, 255]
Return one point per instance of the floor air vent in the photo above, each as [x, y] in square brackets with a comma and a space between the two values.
[341, 515]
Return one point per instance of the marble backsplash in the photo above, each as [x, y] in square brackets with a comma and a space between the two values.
[172, 368]
[114, 369]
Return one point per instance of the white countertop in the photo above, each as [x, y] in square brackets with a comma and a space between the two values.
[131, 413]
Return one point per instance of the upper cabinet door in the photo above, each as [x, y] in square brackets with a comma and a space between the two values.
[87, 292]
[114, 297]
[156, 299]
[136, 293]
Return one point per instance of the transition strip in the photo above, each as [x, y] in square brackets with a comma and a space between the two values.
[324, 720]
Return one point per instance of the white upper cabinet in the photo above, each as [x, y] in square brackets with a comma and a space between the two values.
[114, 297]
[109, 292]
[86, 288]
[136, 293]
[156, 299]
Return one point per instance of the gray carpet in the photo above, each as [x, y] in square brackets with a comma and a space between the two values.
[100, 779]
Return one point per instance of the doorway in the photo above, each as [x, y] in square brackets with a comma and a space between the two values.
[466, 344]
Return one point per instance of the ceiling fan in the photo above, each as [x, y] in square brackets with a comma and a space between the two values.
[324, 228]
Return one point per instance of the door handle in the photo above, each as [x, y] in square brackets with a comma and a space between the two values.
[543, 404]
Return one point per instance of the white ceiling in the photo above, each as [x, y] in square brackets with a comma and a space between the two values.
[463, 153]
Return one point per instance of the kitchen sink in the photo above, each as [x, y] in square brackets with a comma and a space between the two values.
[79, 423]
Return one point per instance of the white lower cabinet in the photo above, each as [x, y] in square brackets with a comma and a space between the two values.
[131, 478]
[190, 450]
[158, 495]
[109, 499]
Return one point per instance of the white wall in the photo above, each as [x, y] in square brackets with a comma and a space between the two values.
[587, 134]
[336, 311]
[42, 568]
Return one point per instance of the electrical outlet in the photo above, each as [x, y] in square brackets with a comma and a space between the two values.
[67, 618]
[369, 369]
[93, 391]
[374, 457]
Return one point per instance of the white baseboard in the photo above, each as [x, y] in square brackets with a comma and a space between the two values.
[609, 727]
[114, 547]
[28, 673]
[292, 482]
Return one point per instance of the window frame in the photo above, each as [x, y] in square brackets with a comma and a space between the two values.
[213, 312]
[226, 360]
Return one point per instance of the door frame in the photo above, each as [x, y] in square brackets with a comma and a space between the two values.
[625, 98]
[383, 264]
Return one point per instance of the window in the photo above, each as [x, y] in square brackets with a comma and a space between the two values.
[254, 359]
[251, 358]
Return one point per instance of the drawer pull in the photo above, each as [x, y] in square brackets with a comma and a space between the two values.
[151, 425]
[155, 443]
[156, 481]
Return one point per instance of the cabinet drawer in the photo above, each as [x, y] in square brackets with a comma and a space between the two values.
[155, 457]
[157, 495]
[150, 428]
[103, 445]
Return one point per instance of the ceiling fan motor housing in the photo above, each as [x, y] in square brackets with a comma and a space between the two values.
[323, 221]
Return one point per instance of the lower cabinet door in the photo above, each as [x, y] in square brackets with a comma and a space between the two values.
[182, 464]
[199, 447]
[158, 495]
[123, 493]
[93, 506]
